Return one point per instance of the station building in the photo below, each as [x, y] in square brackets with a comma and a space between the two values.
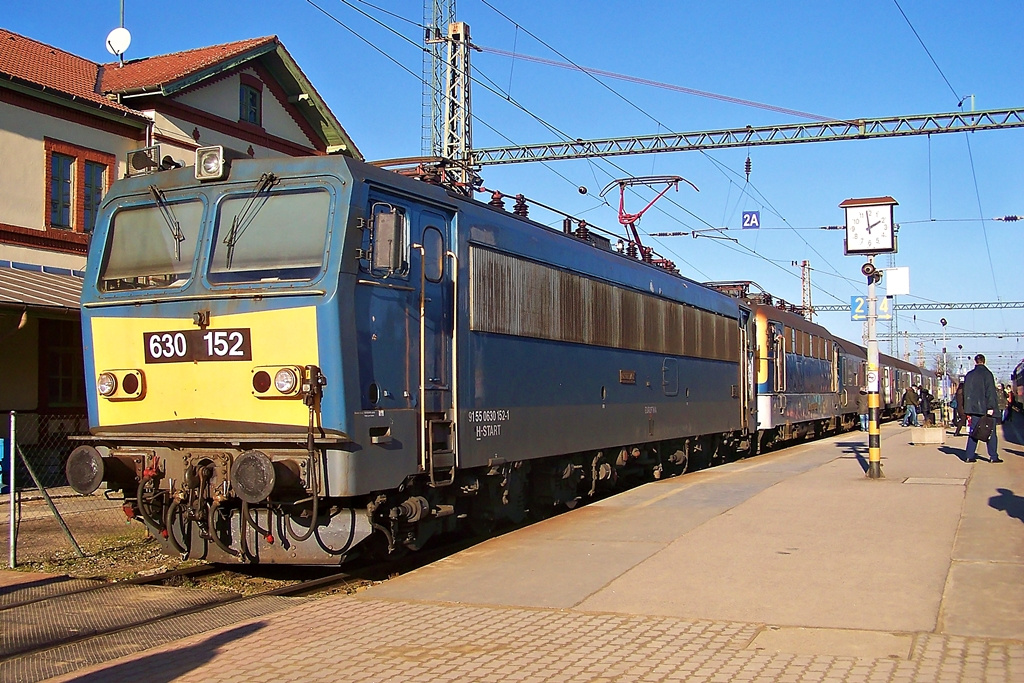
[69, 127]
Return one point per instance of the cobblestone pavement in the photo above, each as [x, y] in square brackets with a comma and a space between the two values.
[350, 639]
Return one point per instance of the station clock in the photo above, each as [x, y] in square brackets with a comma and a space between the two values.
[869, 225]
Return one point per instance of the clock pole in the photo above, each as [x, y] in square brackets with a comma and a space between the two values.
[874, 439]
[870, 231]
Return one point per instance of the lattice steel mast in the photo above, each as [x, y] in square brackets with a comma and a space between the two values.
[458, 124]
[437, 15]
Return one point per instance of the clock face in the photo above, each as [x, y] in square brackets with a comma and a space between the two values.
[869, 229]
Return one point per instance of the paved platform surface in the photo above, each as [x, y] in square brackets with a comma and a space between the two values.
[788, 567]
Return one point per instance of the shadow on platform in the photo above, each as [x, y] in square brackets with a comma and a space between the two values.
[1013, 429]
[960, 453]
[857, 450]
[38, 583]
[162, 667]
[1008, 502]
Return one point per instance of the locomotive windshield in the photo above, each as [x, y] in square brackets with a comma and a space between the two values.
[276, 236]
[152, 246]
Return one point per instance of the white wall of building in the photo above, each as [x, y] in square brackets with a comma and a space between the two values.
[41, 257]
[22, 168]
[221, 99]
[23, 160]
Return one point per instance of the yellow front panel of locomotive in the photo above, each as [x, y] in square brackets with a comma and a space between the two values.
[206, 389]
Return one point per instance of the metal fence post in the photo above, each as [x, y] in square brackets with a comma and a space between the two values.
[39, 444]
[49, 503]
[10, 479]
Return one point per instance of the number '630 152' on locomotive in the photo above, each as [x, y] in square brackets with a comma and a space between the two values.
[293, 360]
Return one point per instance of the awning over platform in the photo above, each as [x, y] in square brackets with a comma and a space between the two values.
[33, 287]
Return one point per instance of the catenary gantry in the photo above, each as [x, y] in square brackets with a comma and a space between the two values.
[855, 129]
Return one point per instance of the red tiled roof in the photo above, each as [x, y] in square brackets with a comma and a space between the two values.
[47, 66]
[150, 72]
[50, 69]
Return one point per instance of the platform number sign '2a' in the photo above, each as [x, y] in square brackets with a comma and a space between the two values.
[859, 308]
[751, 220]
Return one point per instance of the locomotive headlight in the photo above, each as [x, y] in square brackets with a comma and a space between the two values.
[106, 384]
[210, 163]
[277, 381]
[285, 380]
[121, 385]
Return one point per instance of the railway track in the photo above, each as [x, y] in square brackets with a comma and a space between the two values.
[55, 627]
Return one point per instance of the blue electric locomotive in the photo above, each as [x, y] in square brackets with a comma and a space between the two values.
[290, 360]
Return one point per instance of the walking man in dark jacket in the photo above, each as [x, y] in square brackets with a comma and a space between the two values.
[980, 399]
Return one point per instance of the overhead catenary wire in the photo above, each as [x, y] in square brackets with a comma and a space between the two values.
[590, 71]
[496, 90]
[970, 154]
[507, 97]
[412, 73]
[928, 52]
[634, 105]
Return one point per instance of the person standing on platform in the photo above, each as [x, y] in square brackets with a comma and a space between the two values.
[910, 403]
[959, 417]
[980, 398]
[926, 405]
[862, 408]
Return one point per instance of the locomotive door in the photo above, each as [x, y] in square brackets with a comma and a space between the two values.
[746, 368]
[437, 372]
[778, 344]
[437, 313]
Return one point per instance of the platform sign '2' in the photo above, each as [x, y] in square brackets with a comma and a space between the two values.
[197, 345]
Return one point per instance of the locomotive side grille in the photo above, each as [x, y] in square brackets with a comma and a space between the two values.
[576, 319]
[602, 303]
[631, 325]
[691, 329]
[510, 295]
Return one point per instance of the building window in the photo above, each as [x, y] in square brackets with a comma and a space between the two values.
[249, 104]
[76, 178]
[95, 180]
[61, 176]
[61, 364]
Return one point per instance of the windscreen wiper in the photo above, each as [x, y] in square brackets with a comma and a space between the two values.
[243, 219]
[168, 214]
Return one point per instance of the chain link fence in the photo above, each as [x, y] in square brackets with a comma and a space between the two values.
[41, 517]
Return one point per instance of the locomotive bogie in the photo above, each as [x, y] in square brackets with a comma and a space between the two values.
[270, 535]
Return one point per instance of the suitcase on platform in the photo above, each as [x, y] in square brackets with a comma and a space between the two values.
[981, 427]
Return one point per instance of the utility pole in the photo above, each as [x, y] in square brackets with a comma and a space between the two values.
[874, 434]
[945, 381]
[805, 288]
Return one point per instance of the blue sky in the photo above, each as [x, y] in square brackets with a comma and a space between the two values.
[831, 59]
